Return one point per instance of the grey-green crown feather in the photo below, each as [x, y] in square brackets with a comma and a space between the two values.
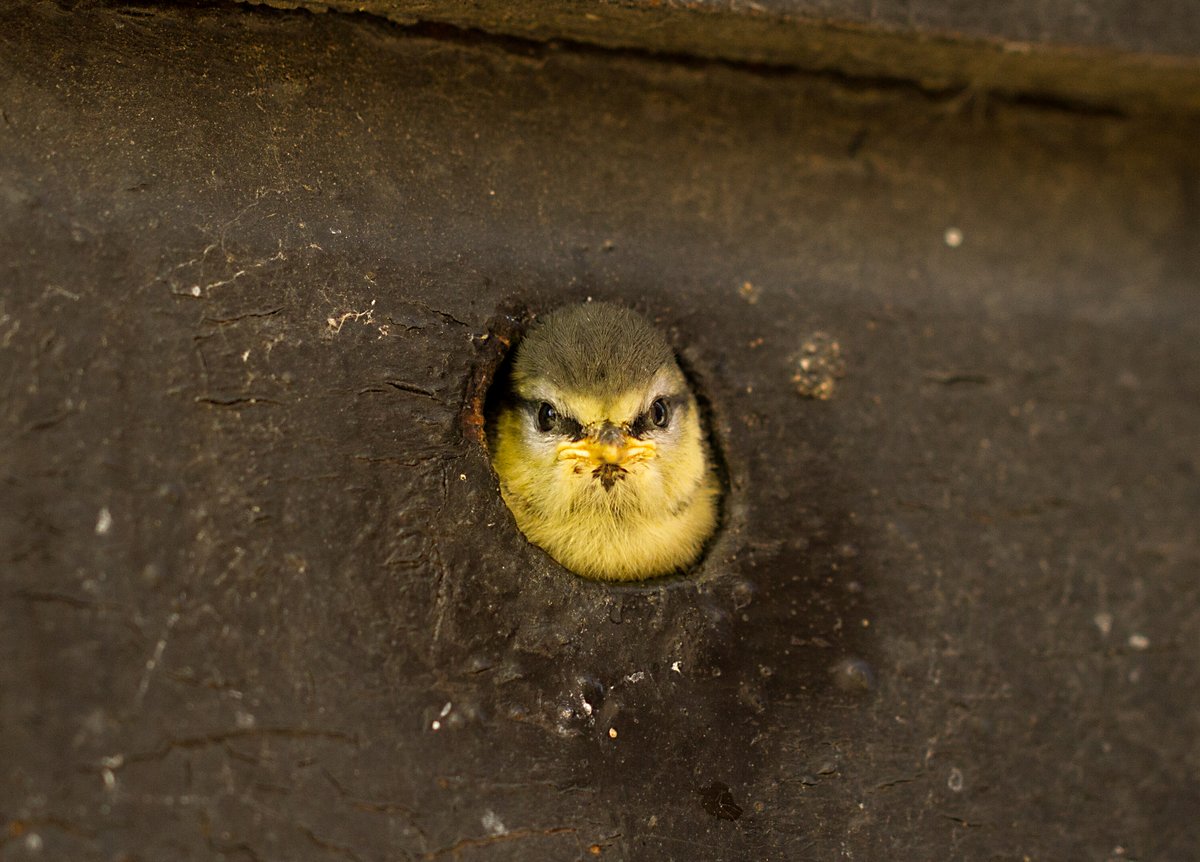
[598, 348]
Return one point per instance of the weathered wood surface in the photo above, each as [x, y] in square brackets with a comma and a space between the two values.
[1094, 54]
[260, 599]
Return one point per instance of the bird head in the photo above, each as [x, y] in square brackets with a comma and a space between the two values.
[599, 415]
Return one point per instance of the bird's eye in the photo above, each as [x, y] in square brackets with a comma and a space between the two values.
[659, 414]
[546, 417]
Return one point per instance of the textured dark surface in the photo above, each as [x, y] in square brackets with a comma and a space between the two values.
[1167, 27]
[1100, 54]
[260, 599]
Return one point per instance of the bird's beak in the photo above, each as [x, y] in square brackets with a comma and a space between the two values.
[607, 444]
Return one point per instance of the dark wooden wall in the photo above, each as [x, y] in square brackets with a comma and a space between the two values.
[259, 598]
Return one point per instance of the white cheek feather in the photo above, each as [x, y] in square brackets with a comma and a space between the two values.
[542, 447]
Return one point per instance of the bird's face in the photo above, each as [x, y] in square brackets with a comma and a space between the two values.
[599, 448]
[627, 451]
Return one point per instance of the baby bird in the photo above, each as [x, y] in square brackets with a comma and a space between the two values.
[599, 447]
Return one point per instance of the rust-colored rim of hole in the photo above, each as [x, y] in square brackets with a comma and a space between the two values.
[503, 331]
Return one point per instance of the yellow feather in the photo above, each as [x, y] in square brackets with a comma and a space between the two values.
[654, 521]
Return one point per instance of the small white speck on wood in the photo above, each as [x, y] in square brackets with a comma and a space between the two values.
[955, 781]
[493, 824]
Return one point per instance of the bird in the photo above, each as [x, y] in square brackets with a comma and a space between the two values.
[600, 447]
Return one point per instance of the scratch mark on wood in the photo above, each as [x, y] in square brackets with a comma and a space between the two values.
[441, 603]
[223, 321]
[445, 315]
[952, 378]
[413, 388]
[62, 599]
[338, 849]
[224, 848]
[234, 401]
[962, 821]
[484, 783]
[397, 461]
[220, 738]
[374, 806]
[515, 835]
[155, 658]
[893, 782]
[47, 422]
